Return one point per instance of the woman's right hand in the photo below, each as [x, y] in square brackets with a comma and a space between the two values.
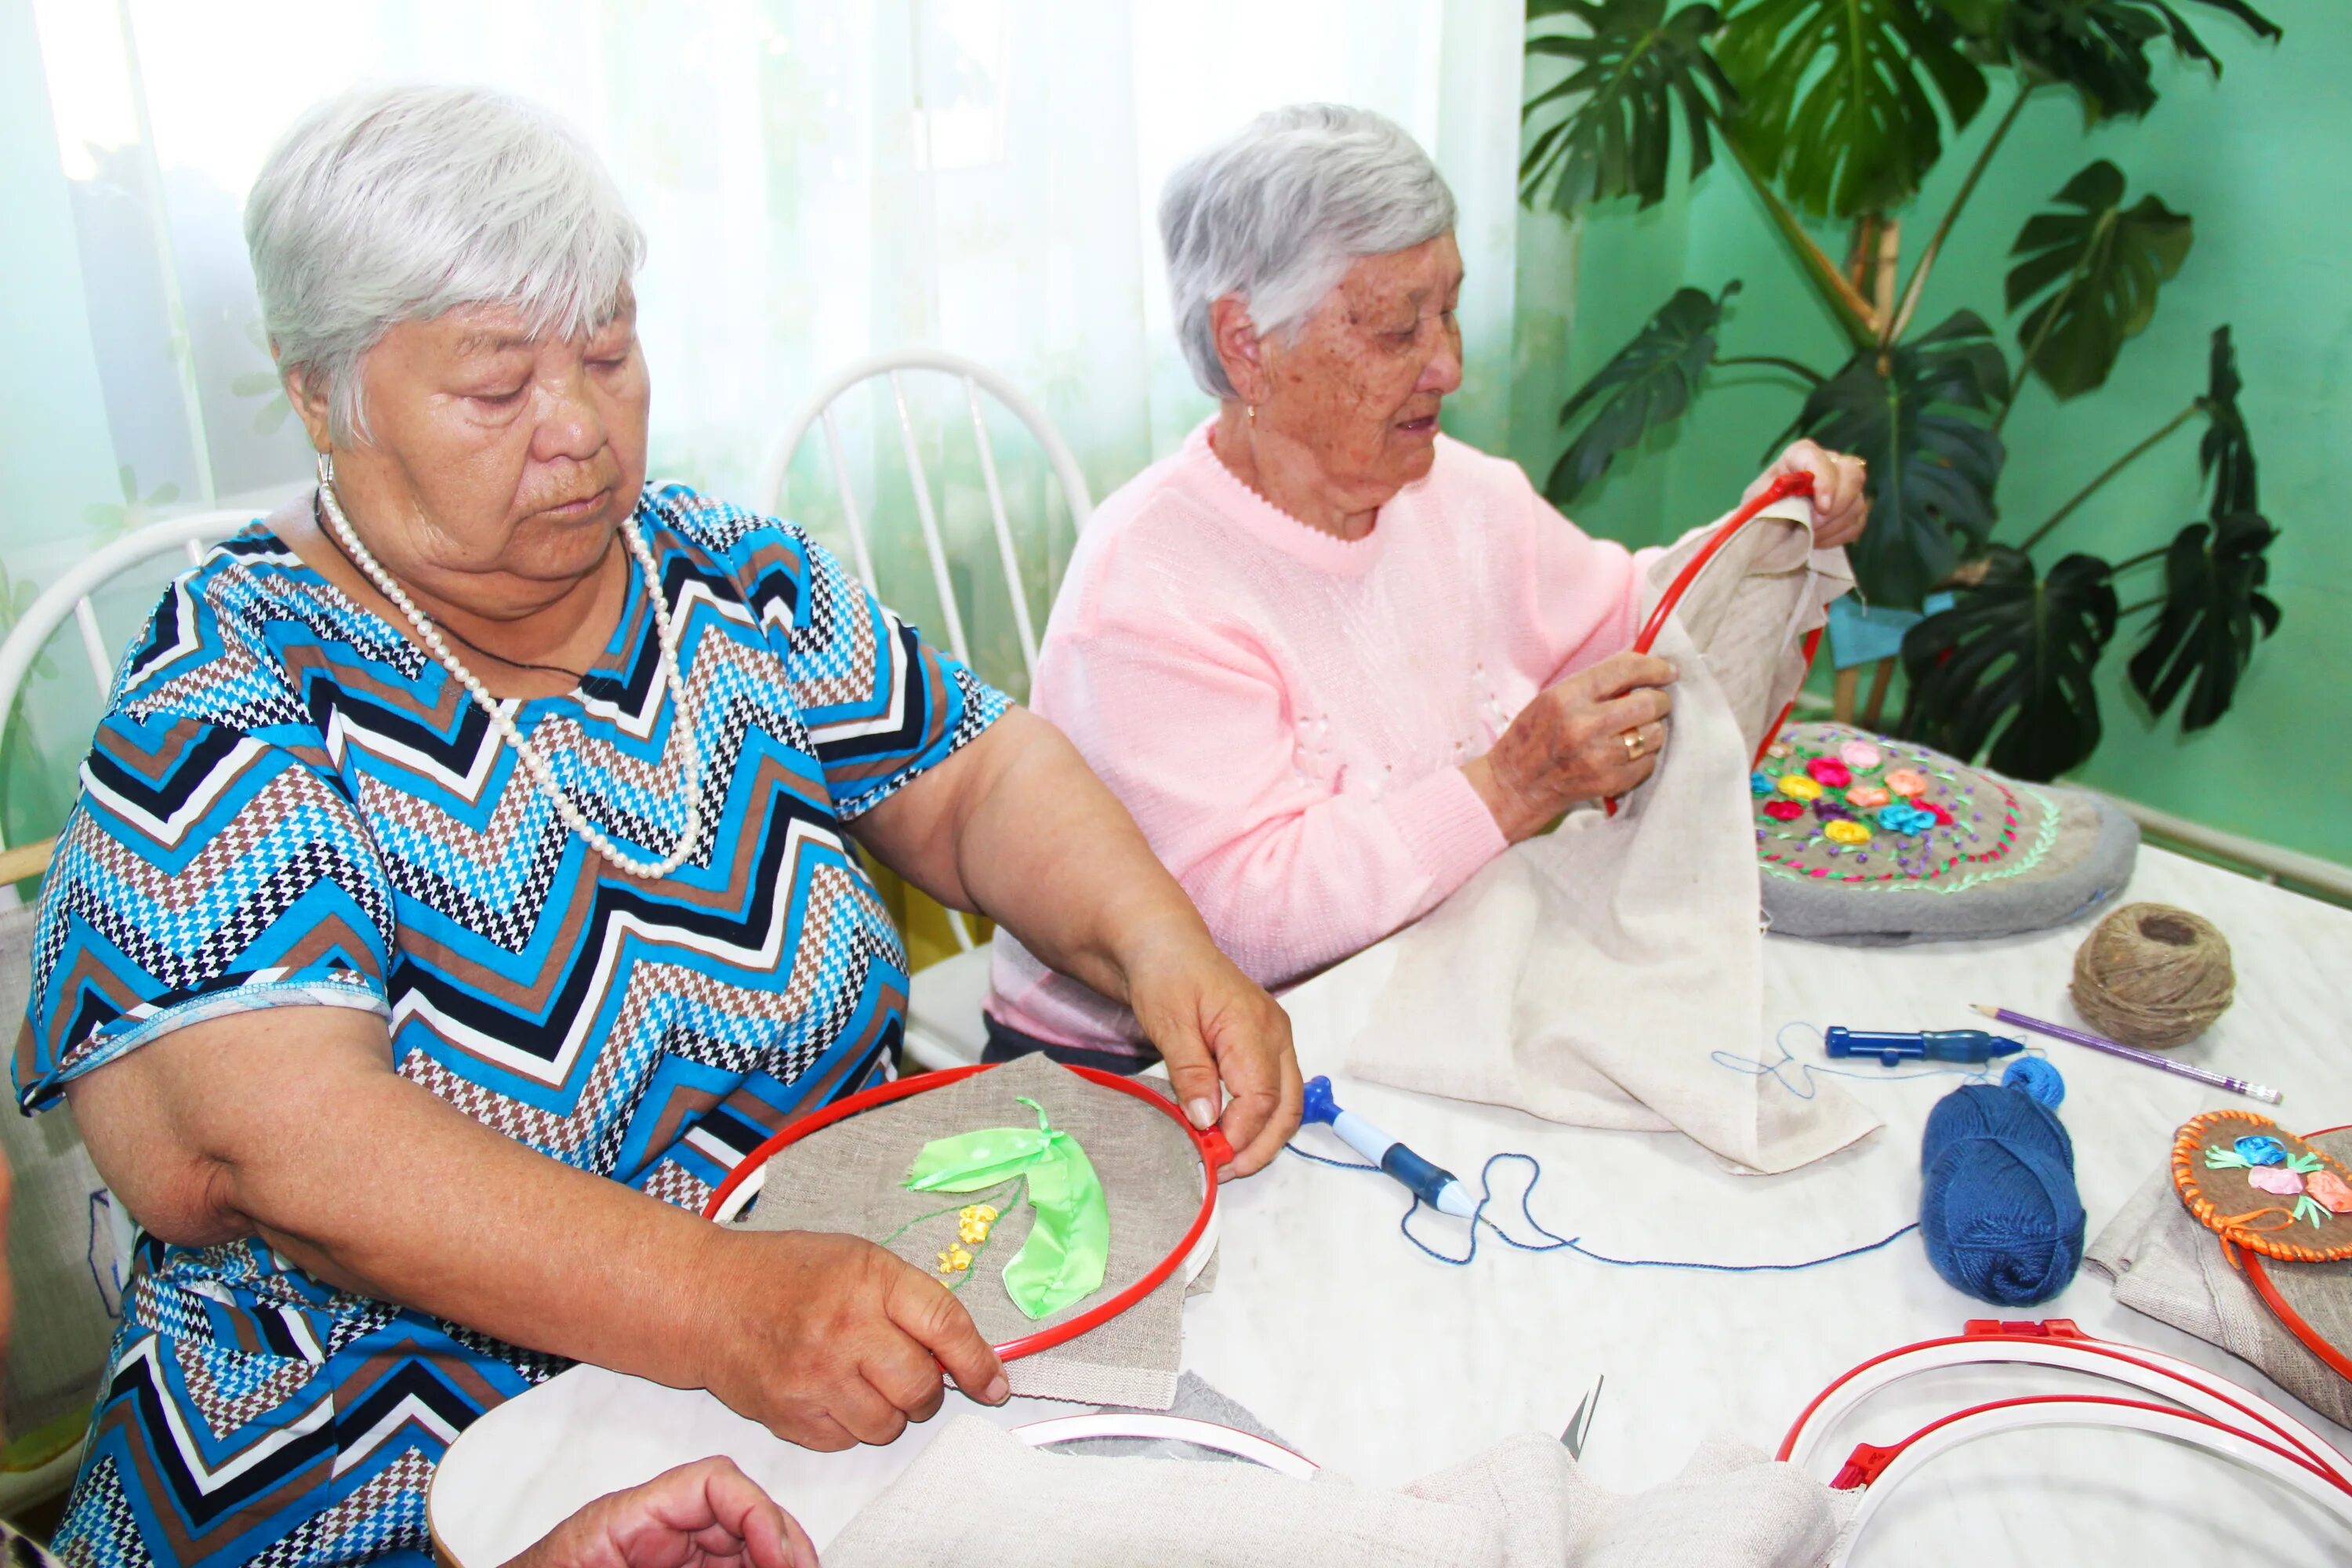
[1570, 743]
[829, 1341]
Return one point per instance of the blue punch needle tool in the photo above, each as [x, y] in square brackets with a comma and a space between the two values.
[1436, 1187]
[1896, 1045]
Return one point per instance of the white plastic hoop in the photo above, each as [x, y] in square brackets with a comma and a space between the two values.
[1178, 1429]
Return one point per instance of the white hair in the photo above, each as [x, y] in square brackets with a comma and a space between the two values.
[386, 205]
[1276, 214]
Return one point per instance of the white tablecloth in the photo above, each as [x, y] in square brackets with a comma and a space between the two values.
[1375, 1361]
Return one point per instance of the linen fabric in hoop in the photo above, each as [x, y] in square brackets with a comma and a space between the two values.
[847, 1178]
[289, 804]
[1869, 839]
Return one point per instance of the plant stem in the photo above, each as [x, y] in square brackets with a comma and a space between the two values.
[2142, 559]
[1845, 302]
[2110, 472]
[2143, 604]
[1902, 318]
[1777, 363]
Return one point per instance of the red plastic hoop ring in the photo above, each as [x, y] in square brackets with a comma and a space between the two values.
[1210, 1146]
[2259, 1277]
[1779, 489]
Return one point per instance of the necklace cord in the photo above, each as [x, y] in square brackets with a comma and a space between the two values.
[535, 761]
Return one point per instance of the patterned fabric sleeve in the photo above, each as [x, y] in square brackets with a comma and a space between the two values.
[883, 706]
[204, 872]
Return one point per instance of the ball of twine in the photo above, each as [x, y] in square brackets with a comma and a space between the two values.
[2153, 976]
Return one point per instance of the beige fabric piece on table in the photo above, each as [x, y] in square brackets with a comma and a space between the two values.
[2165, 1262]
[977, 1494]
[847, 1178]
[1587, 974]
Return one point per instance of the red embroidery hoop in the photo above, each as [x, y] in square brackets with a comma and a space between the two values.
[1210, 1146]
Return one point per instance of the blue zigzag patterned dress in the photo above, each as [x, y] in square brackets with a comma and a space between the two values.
[288, 804]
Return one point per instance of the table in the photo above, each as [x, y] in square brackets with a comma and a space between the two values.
[1374, 1394]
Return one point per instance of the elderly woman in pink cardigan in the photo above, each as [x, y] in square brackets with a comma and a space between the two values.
[1331, 660]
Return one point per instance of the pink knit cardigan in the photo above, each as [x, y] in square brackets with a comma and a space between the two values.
[1286, 712]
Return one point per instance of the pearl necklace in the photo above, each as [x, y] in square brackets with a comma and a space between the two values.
[690, 835]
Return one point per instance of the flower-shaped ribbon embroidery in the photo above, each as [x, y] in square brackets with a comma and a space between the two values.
[2327, 1188]
[1830, 772]
[1866, 797]
[2261, 1148]
[1904, 819]
[1759, 783]
[1797, 786]
[1829, 810]
[1859, 755]
[1847, 832]
[1069, 1244]
[1908, 782]
[1783, 810]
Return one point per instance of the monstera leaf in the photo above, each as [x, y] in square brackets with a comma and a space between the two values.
[2100, 266]
[1834, 97]
[2097, 48]
[1652, 380]
[2213, 599]
[1632, 68]
[2226, 456]
[1917, 415]
[2011, 664]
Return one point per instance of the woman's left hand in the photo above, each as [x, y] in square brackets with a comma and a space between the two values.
[1840, 508]
[704, 1515]
[1216, 1028]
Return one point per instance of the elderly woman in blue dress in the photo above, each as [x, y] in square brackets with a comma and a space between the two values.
[462, 885]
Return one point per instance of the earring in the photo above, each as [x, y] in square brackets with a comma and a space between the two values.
[1253, 414]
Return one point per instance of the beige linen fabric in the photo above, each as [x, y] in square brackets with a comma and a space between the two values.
[1587, 974]
[2165, 1262]
[977, 1495]
[848, 1178]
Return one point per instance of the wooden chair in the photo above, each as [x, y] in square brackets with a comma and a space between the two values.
[943, 1022]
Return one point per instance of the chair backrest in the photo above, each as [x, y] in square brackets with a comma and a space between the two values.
[819, 411]
[70, 597]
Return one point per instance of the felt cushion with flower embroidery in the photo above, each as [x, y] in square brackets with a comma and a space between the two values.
[2262, 1187]
[2009, 857]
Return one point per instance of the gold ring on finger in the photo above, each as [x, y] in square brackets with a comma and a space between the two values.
[1635, 747]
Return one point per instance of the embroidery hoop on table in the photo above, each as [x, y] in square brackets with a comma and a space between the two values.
[1191, 1252]
[2206, 1411]
[1779, 489]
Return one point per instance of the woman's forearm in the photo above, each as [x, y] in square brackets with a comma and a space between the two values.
[1016, 826]
[288, 1124]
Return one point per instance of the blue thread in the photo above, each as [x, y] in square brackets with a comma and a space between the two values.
[2036, 1078]
[1554, 1242]
[1754, 1066]
[1998, 1211]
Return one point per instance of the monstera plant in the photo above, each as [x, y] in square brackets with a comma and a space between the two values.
[1837, 109]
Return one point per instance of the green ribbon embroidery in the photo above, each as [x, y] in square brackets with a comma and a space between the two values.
[1068, 1247]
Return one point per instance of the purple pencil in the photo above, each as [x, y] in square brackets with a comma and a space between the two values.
[2131, 1053]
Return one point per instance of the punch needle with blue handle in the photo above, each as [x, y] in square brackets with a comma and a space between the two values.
[1431, 1185]
[1894, 1046]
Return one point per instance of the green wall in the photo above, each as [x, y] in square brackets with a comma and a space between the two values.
[2256, 158]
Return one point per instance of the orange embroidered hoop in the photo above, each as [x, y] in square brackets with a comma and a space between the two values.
[2269, 1239]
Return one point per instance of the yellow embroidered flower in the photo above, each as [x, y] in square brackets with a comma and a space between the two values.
[1797, 786]
[1846, 831]
[954, 1260]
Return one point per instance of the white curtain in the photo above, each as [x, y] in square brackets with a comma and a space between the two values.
[820, 182]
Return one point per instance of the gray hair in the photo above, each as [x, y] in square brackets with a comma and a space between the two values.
[386, 205]
[1276, 214]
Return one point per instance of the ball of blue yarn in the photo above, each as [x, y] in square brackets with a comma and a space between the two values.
[1998, 1208]
[2038, 1079]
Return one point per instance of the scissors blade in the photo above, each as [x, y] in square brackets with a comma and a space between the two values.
[1580, 1426]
